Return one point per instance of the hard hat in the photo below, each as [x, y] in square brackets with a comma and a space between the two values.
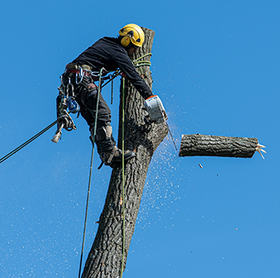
[132, 33]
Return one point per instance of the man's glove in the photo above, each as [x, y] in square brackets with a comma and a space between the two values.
[155, 109]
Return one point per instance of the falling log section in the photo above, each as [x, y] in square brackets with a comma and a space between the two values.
[209, 145]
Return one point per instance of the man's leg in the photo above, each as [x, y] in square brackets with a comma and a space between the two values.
[106, 145]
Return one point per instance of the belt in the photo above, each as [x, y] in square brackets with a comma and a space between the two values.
[73, 68]
[76, 67]
[87, 73]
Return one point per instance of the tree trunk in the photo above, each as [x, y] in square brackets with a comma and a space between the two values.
[208, 145]
[105, 257]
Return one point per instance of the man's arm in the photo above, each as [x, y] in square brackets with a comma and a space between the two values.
[128, 69]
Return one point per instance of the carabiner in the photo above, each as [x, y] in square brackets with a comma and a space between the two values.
[69, 87]
[81, 76]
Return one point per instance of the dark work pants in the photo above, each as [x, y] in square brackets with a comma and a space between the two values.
[87, 99]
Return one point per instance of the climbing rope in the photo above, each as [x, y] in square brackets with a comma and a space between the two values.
[123, 182]
[90, 172]
[27, 142]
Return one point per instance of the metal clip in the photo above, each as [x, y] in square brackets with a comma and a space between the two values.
[73, 105]
[81, 76]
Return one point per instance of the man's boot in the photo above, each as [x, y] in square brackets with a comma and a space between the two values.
[115, 156]
[106, 146]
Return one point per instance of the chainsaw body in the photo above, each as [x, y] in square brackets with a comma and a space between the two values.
[155, 110]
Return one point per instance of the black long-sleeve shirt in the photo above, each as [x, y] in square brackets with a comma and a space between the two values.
[110, 54]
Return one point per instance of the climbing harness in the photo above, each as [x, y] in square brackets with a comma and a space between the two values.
[66, 102]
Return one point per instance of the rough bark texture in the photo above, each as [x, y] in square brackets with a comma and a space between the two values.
[105, 257]
[208, 145]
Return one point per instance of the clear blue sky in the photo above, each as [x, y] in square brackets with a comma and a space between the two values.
[215, 65]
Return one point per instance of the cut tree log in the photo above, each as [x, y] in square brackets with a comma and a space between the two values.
[105, 257]
[209, 145]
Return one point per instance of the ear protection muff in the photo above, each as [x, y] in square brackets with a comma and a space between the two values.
[126, 40]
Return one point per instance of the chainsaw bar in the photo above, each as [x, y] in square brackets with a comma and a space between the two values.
[172, 138]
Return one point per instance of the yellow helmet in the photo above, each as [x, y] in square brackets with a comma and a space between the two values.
[132, 33]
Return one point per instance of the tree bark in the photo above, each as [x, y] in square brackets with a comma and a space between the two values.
[208, 145]
[105, 257]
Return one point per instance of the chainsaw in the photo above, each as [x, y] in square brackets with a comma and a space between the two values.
[156, 113]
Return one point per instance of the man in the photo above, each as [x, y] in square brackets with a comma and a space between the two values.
[111, 54]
